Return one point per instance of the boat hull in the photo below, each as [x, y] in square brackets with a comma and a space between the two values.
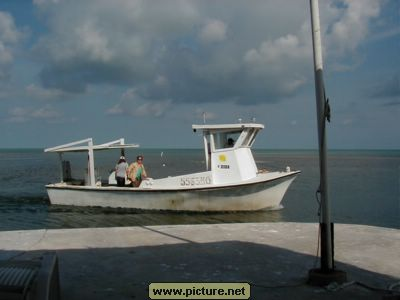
[249, 196]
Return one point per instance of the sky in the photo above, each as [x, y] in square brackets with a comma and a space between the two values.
[148, 70]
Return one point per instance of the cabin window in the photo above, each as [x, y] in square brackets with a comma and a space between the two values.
[225, 140]
[250, 136]
[253, 137]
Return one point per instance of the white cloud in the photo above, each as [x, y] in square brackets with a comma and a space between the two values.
[95, 43]
[8, 30]
[153, 109]
[6, 56]
[9, 37]
[45, 112]
[388, 87]
[34, 91]
[26, 114]
[391, 32]
[102, 41]
[282, 62]
[43, 2]
[278, 50]
[18, 115]
[213, 31]
[181, 50]
[352, 24]
[133, 105]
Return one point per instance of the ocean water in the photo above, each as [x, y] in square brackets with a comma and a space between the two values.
[364, 188]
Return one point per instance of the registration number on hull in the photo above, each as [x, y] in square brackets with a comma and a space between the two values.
[190, 181]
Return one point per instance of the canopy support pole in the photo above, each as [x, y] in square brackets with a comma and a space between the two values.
[92, 180]
[61, 167]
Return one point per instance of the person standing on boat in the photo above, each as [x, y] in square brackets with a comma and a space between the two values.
[121, 171]
[136, 171]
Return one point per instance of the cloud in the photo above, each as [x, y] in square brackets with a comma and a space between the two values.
[213, 31]
[42, 2]
[191, 51]
[25, 114]
[9, 38]
[8, 30]
[106, 42]
[45, 112]
[352, 24]
[385, 34]
[386, 88]
[283, 59]
[34, 91]
[395, 102]
[133, 105]
[17, 115]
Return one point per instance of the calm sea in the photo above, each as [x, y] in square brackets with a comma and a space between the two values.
[364, 189]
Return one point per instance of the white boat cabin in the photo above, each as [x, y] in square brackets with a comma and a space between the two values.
[228, 151]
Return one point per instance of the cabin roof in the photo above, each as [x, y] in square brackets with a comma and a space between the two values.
[226, 127]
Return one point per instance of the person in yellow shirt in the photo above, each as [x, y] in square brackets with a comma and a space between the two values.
[136, 172]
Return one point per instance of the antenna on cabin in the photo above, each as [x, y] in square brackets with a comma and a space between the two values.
[253, 119]
[240, 120]
[204, 117]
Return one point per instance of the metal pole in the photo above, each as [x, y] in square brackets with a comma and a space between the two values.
[91, 170]
[62, 169]
[326, 234]
[122, 142]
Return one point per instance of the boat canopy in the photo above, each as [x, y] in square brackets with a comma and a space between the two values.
[89, 148]
[74, 146]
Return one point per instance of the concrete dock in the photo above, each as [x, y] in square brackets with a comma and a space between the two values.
[120, 263]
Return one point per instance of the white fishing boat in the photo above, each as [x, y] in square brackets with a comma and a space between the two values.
[231, 180]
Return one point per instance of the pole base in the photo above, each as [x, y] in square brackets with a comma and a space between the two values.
[318, 277]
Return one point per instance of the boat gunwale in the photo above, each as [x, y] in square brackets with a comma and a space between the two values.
[170, 190]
